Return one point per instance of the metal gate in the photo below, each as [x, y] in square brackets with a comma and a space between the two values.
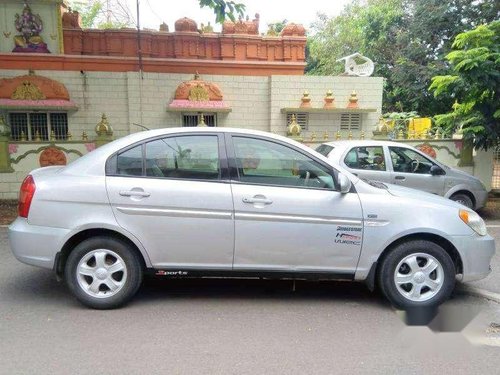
[495, 181]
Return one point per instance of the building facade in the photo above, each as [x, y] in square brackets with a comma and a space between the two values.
[65, 90]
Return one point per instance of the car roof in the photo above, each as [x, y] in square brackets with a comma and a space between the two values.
[365, 142]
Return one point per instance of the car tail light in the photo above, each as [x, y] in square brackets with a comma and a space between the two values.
[26, 196]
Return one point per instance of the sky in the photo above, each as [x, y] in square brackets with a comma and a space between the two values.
[154, 12]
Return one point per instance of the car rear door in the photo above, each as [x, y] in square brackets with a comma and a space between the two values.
[288, 214]
[367, 162]
[173, 194]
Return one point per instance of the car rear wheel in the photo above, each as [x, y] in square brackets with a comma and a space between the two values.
[463, 199]
[417, 274]
[103, 272]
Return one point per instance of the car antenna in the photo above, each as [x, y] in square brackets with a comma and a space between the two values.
[141, 126]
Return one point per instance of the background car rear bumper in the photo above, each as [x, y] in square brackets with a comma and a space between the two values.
[476, 253]
[481, 197]
[35, 245]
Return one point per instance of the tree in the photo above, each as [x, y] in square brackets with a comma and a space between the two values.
[407, 40]
[115, 14]
[474, 83]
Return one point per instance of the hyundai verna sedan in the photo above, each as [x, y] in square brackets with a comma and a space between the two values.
[194, 202]
[400, 164]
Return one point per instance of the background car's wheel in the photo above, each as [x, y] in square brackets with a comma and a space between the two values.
[463, 199]
[417, 273]
[103, 272]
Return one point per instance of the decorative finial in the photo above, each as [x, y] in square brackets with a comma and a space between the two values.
[306, 100]
[52, 135]
[437, 135]
[293, 128]
[69, 136]
[350, 135]
[103, 127]
[337, 136]
[325, 136]
[313, 136]
[202, 121]
[362, 134]
[401, 135]
[196, 76]
[353, 100]
[85, 136]
[23, 136]
[329, 100]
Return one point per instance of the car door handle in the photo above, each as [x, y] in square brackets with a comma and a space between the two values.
[134, 193]
[402, 178]
[261, 200]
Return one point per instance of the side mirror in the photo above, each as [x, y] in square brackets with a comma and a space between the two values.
[344, 183]
[436, 170]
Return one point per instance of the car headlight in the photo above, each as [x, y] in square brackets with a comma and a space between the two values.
[474, 221]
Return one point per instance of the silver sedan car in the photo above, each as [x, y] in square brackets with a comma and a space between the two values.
[401, 164]
[194, 202]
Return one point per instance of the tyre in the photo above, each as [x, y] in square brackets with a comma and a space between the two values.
[463, 199]
[103, 272]
[417, 273]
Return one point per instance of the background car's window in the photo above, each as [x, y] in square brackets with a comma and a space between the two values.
[129, 163]
[368, 158]
[408, 161]
[191, 157]
[269, 163]
[324, 149]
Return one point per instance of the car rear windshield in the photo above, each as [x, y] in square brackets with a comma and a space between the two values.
[324, 149]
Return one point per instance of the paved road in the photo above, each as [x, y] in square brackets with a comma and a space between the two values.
[228, 327]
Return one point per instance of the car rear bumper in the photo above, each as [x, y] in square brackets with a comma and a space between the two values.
[476, 253]
[35, 245]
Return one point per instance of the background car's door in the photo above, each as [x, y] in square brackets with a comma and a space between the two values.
[171, 194]
[413, 170]
[288, 215]
[368, 162]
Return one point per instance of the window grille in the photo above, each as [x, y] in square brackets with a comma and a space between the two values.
[44, 123]
[301, 118]
[350, 121]
[59, 124]
[191, 120]
[18, 125]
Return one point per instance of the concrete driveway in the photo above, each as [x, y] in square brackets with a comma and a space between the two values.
[228, 327]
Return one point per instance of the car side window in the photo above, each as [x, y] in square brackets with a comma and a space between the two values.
[405, 160]
[129, 162]
[269, 163]
[187, 157]
[367, 158]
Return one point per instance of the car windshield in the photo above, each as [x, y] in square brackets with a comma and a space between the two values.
[324, 149]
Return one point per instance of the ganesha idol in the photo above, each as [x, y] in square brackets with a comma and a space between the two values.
[30, 26]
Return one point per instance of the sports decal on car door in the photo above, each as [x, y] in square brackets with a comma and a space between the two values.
[348, 235]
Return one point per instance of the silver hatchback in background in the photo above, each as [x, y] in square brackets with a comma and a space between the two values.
[400, 164]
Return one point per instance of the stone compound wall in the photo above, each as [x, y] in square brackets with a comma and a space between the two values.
[255, 103]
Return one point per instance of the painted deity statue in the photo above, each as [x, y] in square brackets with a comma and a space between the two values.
[30, 26]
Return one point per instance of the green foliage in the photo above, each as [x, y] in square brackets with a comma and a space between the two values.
[407, 40]
[224, 9]
[94, 15]
[474, 83]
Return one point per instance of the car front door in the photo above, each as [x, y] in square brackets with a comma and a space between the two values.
[367, 162]
[171, 193]
[289, 215]
[413, 170]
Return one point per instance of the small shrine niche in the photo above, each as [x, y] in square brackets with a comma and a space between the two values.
[29, 26]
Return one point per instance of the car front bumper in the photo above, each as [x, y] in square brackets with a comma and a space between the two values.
[476, 253]
[35, 245]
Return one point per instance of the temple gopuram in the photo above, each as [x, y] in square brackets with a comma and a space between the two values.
[65, 90]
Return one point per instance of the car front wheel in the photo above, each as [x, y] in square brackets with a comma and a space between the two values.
[417, 273]
[463, 199]
[103, 272]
